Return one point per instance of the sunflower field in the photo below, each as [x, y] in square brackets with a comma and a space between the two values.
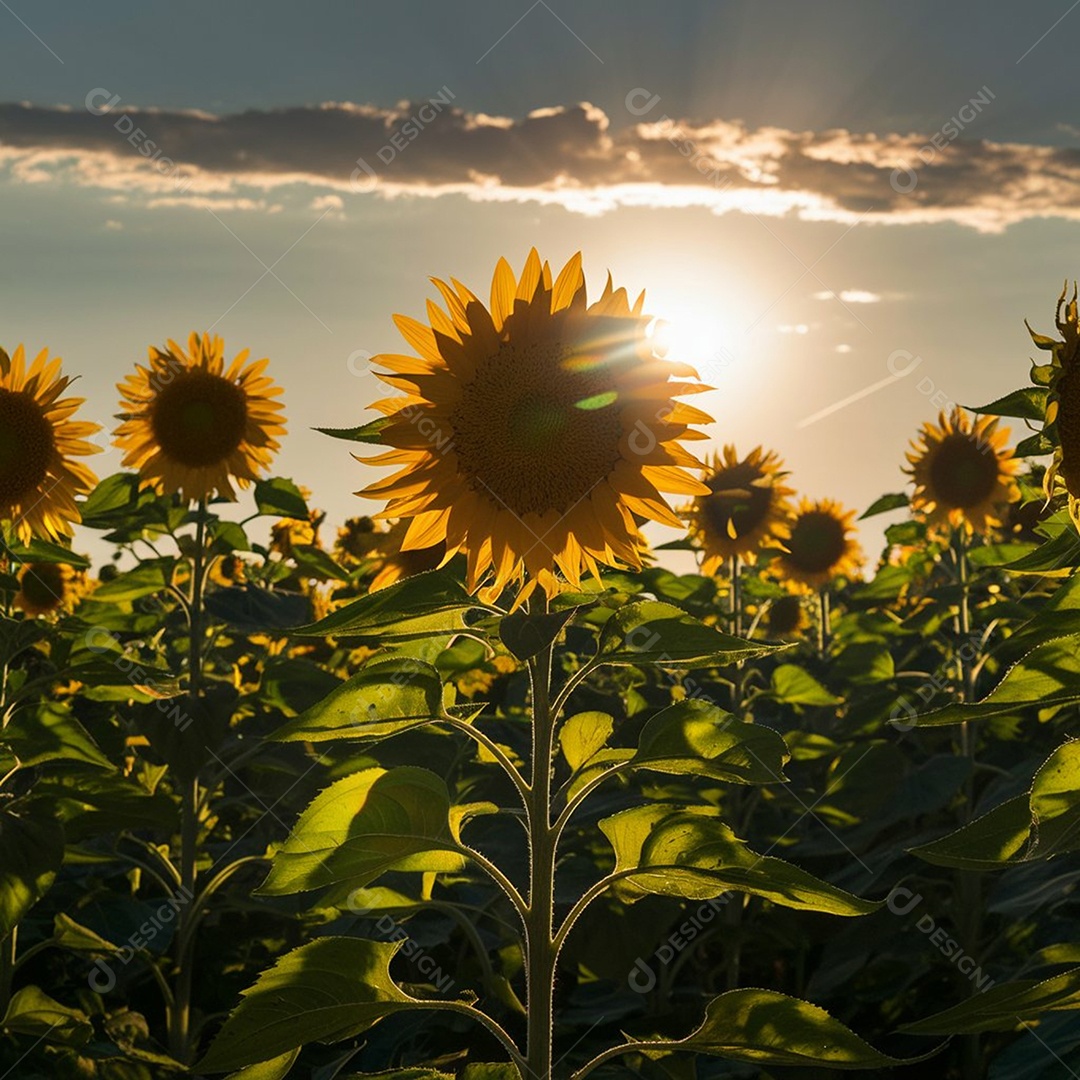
[479, 787]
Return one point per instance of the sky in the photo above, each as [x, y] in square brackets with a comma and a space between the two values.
[844, 209]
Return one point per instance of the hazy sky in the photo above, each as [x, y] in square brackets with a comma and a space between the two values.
[805, 190]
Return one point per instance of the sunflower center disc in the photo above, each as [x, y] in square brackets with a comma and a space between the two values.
[737, 500]
[26, 446]
[963, 473]
[199, 419]
[537, 427]
[817, 543]
[43, 585]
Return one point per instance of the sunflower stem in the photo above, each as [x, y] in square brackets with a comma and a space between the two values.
[7, 967]
[180, 1044]
[969, 884]
[736, 596]
[540, 949]
[824, 619]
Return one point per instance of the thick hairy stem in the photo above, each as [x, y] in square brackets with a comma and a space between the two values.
[541, 951]
[180, 1044]
[969, 885]
[734, 568]
[7, 968]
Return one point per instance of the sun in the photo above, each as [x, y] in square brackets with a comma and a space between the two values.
[692, 336]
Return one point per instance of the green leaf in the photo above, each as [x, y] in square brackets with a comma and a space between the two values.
[366, 433]
[1028, 828]
[315, 563]
[885, 504]
[692, 853]
[863, 664]
[651, 632]
[32, 1012]
[768, 1028]
[796, 686]
[1055, 558]
[424, 605]
[116, 492]
[364, 825]
[275, 1069]
[327, 990]
[1027, 403]
[987, 843]
[254, 609]
[1034, 445]
[228, 536]
[1048, 675]
[31, 850]
[1041, 340]
[1002, 1008]
[279, 497]
[583, 734]
[402, 1074]
[73, 936]
[41, 551]
[525, 635]
[147, 578]
[695, 738]
[51, 733]
[384, 697]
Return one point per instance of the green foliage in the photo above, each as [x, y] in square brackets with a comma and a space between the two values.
[237, 836]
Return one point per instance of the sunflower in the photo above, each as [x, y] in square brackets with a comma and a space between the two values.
[819, 546]
[38, 440]
[533, 431]
[1061, 377]
[746, 507]
[48, 587]
[395, 563]
[962, 471]
[786, 617]
[228, 571]
[357, 538]
[290, 533]
[192, 427]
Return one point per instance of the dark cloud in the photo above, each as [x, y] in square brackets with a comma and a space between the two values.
[575, 157]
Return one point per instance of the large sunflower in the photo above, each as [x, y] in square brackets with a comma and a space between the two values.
[192, 427]
[963, 472]
[819, 545]
[746, 506]
[39, 479]
[392, 562]
[533, 431]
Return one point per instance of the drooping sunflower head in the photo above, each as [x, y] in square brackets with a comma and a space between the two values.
[39, 442]
[290, 533]
[533, 429]
[228, 571]
[745, 508]
[192, 426]
[819, 546]
[357, 538]
[1061, 378]
[48, 587]
[786, 617]
[963, 472]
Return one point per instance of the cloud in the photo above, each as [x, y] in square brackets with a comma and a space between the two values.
[850, 296]
[575, 157]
